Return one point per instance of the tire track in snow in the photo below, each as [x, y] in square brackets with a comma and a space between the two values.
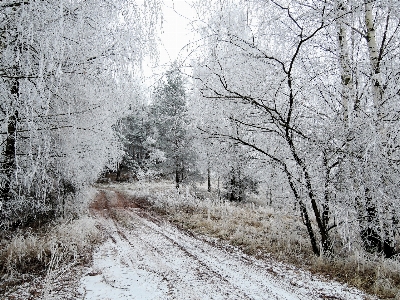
[200, 272]
[148, 258]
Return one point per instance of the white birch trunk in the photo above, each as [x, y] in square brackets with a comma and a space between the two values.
[374, 59]
[344, 60]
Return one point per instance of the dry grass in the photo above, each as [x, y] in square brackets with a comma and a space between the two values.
[263, 232]
[45, 250]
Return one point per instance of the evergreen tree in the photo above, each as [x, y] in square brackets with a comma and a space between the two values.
[171, 123]
[133, 131]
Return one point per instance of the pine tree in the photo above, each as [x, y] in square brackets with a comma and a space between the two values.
[170, 119]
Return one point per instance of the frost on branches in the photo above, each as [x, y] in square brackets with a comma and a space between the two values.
[67, 74]
[312, 88]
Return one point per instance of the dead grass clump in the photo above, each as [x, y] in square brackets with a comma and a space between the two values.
[258, 230]
[36, 252]
[263, 232]
[376, 275]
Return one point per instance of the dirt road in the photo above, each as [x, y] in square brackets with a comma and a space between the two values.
[145, 257]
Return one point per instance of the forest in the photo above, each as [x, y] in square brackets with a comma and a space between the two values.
[292, 102]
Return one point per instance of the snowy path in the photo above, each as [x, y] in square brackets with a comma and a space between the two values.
[148, 258]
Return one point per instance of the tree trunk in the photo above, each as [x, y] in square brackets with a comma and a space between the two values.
[322, 227]
[119, 169]
[377, 235]
[219, 190]
[9, 164]
[345, 63]
[208, 179]
[177, 178]
[304, 214]
[374, 59]
[307, 223]
[370, 230]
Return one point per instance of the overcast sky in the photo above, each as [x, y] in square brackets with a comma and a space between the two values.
[175, 34]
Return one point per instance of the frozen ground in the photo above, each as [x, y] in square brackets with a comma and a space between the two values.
[144, 257]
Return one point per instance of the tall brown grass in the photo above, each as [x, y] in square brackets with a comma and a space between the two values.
[262, 231]
[41, 251]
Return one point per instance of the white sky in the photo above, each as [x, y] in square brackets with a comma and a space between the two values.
[174, 35]
[176, 28]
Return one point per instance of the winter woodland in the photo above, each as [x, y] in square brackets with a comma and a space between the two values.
[294, 100]
[68, 73]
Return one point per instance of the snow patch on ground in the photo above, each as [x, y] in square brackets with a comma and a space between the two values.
[149, 258]
[118, 279]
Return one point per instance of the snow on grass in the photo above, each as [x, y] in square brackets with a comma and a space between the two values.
[256, 228]
[148, 258]
[70, 240]
[265, 232]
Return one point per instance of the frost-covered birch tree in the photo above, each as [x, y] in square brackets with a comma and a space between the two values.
[66, 74]
[369, 33]
[304, 82]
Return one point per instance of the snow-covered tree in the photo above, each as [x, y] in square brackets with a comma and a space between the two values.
[67, 70]
[171, 123]
[293, 75]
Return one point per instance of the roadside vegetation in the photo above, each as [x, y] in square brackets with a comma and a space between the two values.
[289, 109]
[262, 231]
[43, 252]
[255, 227]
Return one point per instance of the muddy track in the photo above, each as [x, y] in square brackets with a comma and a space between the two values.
[145, 257]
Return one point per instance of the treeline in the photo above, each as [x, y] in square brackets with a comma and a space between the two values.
[298, 99]
[307, 93]
[163, 140]
[67, 74]
[157, 137]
